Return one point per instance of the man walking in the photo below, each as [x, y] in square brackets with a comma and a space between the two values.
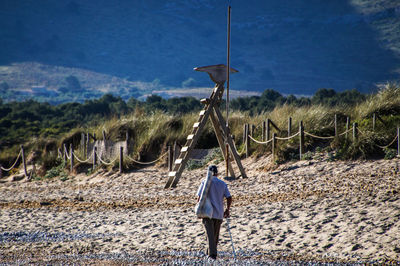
[217, 191]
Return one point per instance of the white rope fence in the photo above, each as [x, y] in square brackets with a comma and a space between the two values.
[301, 134]
[14, 164]
[288, 138]
[146, 163]
[390, 144]
[259, 142]
[106, 163]
[88, 160]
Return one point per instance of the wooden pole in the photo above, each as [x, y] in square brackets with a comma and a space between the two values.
[94, 157]
[170, 158]
[121, 159]
[355, 135]
[268, 129]
[289, 126]
[71, 154]
[273, 145]
[1, 172]
[301, 136]
[175, 152]
[23, 160]
[65, 152]
[251, 129]
[83, 142]
[263, 131]
[347, 126]
[398, 141]
[127, 141]
[247, 141]
[244, 133]
[87, 145]
[227, 158]
[373, 121]
[336, 125]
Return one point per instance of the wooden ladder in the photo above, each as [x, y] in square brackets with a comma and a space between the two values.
[210, 110]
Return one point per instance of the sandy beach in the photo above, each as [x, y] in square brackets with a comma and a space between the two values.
[306, 211]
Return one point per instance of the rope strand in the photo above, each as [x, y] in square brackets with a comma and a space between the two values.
[146, 163]
[15, 163]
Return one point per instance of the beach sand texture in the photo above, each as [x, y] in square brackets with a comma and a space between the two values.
[314, 210]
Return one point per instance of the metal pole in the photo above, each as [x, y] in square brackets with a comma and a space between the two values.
[229, 230]
[227, 91]
[228, 65]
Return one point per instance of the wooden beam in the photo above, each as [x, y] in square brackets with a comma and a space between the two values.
[221, 142]
[230, 141]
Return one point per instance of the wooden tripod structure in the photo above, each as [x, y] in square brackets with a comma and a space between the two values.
[222, 132]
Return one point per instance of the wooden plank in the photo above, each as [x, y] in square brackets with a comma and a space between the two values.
[230, 141]
[220, 138]
[274, 125]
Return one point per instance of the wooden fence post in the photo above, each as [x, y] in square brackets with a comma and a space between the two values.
[355, 135]
[127, 141]
[301, 136]
[273, 145]
[121, 159]
[82, 145]
[373, 121]
[1, 172]
[263, 131]
[87, 145]
[94, 157]
[170, 158]
[347, 126]
[65, 152]
[244, 133]
[23, 160]
[268, 129]
[398, 141]
[289, 127]
[336, 126]
[247, 141]
[71, 154]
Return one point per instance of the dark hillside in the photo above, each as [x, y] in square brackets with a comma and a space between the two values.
[293, 48]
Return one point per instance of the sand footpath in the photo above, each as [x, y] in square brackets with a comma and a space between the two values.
[314, 210]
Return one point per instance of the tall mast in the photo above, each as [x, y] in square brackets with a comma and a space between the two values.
[228, 68]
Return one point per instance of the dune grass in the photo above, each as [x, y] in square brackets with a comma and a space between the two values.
[150, 134]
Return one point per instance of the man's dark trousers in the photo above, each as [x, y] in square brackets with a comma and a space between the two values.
[212, 227]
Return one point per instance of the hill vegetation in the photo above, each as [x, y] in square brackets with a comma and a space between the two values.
[158, 122]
